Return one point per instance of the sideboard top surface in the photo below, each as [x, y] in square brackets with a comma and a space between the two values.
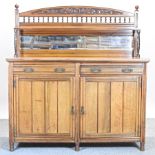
[78, 60]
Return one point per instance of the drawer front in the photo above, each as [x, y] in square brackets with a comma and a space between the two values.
[112, 69]
[42, 69]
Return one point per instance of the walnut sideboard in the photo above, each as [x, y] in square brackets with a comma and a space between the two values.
[77, 82]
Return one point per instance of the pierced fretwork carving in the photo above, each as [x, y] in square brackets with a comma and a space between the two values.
[16, 42]
[82, 10]
[136, 43]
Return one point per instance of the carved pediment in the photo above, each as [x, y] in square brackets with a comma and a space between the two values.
[77, 10]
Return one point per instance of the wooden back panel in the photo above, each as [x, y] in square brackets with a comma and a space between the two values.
[76, 20]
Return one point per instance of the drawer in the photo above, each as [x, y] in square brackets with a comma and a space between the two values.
[48, 69]
[111, 69]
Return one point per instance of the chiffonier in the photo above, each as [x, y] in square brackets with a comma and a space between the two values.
[77, 77]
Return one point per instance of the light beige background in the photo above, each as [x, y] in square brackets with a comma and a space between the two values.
[146, 24]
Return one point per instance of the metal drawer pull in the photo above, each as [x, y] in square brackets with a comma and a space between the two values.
[95, 70]
[72, 110]
[82, 112]
[59, 70]
[127, 70]
[28, 70]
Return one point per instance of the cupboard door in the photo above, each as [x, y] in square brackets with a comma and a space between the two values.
[59, 103]
[110, 106]
[44, 106]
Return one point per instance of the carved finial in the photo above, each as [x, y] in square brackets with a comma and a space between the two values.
[16, 16]
[136, 8]
[16, 6]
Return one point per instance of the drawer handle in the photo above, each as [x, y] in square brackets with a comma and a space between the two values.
[59, 70]
[82, 112]
[95, 70]
[28, 70]
[127, 70]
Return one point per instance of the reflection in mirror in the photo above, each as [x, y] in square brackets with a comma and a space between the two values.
[76, 42]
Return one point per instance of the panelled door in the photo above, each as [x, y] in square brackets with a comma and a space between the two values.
[45, 106]
[110, 106]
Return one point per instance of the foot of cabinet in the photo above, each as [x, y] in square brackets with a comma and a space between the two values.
[142, 146]
[11, 146]
[77, 147]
